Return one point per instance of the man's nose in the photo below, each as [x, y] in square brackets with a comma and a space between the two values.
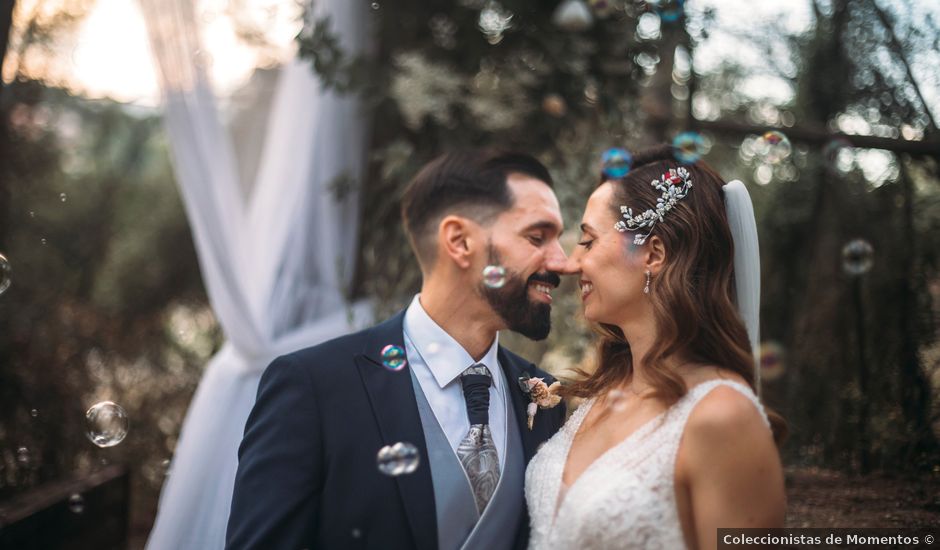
[572, 265]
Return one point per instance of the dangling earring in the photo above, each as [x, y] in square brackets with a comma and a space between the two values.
[646, 289]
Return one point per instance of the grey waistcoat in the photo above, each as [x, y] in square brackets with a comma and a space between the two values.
[457, 518]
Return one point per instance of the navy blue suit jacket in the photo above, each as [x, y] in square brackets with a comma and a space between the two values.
[307, 475]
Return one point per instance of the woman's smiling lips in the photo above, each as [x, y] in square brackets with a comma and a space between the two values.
[586, 288]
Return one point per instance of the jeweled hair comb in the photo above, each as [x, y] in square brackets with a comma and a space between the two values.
[674, 185]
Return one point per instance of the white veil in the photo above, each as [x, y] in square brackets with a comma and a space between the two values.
[746, 264]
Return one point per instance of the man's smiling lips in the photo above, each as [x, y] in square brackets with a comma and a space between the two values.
[543, 290]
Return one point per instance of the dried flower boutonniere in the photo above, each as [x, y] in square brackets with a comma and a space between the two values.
[541, 395]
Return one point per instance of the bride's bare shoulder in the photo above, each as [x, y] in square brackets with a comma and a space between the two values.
[725, 426]
[723, 407]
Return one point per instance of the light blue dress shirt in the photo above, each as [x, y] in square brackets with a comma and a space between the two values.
[437, 361]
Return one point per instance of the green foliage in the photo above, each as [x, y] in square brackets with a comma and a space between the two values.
[106, 300]
[440, 81]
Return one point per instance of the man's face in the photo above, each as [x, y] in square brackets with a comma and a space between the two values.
[524, 242]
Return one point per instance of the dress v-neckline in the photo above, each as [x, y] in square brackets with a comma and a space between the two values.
[601, 457]
[643, 428]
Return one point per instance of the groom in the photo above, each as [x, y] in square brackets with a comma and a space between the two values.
[484, 226]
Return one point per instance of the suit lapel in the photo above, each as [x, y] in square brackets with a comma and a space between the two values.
[520, 402]
[392, 397]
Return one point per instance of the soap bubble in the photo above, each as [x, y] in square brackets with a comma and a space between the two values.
[398, 459]
[394, 358]
[106, 424]
[688, 147]
[76, 503]
[494, 276]
[774, 147]
[617, 162]
[838, 154]
[772, 366]
[858, 257]
[63, 197]
[22, 456]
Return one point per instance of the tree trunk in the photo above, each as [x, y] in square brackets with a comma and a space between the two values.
[915, 388]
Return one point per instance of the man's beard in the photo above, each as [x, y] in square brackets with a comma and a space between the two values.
[511, 302]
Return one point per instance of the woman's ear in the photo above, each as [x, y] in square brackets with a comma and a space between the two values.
[454, 239]
[655, 255]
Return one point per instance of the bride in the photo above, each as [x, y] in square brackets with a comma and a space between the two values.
[671, 442]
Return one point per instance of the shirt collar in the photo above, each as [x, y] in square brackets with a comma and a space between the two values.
[443, 355]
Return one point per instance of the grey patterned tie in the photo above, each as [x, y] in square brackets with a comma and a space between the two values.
[477, 452]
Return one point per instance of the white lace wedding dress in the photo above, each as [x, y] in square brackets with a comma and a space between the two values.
[624, 499]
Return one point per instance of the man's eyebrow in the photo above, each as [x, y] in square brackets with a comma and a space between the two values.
[544, 224]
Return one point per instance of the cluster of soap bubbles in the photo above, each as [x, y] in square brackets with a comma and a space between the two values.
[398, 459]
[858, 257]
[106, 424]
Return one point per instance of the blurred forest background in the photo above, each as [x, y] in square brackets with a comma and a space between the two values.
[106, 301]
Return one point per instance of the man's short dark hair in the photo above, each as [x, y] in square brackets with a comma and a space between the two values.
[469, 183]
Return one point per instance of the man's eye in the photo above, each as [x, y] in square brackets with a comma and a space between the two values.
[586, 244]
[536, 239]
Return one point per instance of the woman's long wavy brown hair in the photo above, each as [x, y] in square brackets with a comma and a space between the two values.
[692, 297]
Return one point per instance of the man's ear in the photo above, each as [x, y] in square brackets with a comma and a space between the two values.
[655, 255]
[455, 239]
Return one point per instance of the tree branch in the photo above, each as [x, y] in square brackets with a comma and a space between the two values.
[820, 136]
[899, 51]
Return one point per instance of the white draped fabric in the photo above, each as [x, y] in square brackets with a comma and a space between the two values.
[743, 227]
[275, 264]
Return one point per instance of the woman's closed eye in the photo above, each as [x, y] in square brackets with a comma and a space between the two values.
[586, 243]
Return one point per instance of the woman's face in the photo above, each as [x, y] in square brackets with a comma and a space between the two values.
[611, 267]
